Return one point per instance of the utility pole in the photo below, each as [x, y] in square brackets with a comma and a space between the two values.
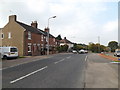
[99, 44]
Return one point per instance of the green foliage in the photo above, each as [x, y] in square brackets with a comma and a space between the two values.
[62, 48]
[113, 45]
[97, 48]
[59, 37]
[79, 47]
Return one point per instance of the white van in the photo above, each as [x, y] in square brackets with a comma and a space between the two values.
[8, 52]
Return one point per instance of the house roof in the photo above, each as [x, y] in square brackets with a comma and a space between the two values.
[65, 41]
[50, 35]
[34, 30]
[30, 28]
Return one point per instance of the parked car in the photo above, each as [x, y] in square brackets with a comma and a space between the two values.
[117, 53]
[8, 52]
[81, 51]
[74, 51]
[85, 51]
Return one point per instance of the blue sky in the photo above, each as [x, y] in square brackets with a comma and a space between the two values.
[81, 21]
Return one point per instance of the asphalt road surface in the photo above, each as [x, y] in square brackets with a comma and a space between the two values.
[59, 71]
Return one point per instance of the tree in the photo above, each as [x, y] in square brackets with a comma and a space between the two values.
[59, 37]
[80, 46]
[62, 48]
[113, 45]
[97, 48]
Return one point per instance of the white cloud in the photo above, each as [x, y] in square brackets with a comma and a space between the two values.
[75, 18]
[36, 5]
[111, 26]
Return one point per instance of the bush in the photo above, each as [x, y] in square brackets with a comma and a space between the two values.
[62, 48]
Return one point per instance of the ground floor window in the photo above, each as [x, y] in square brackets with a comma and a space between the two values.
[29, 47]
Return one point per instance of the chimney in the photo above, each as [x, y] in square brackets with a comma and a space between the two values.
[46, 29]
[65, 38]
[12, 18]
[34, 24]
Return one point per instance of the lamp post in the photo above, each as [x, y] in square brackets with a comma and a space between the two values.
[48, 34]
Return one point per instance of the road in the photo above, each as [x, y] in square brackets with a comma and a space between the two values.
[59, 71]
[63, 71]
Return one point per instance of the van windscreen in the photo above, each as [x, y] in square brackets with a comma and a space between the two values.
[13, 50]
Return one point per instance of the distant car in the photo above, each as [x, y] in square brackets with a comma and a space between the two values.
[74, 51]
[81, 51]
[85, 51]
[117, 53]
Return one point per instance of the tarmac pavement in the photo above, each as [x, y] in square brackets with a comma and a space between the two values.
[100, 73]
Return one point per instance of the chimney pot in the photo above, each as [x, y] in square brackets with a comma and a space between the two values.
[46, 29]
[34, 24]
[12, 18]
[64, 37]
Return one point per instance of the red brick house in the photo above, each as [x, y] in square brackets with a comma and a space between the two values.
[27, 38]
[53, 42]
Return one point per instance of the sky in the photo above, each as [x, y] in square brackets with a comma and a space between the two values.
[80, 21]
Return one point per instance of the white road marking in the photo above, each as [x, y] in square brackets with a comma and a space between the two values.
[68, 57]
[59, 61]
[28, 75]
[86, 58]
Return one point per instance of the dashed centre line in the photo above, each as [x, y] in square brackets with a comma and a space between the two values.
[59, 61]
[68, 57]
[13, 81]
[62, 60]
[28, 75]
[86, 58]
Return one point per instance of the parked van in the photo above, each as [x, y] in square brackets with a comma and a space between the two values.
[8, 52]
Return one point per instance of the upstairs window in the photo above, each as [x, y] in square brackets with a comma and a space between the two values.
[9, 35]
[42, 37]
[54, 39]
[29, 35]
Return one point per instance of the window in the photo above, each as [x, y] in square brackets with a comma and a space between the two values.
[56, 43]
[29, 47]
[42, 37]
[54, 39]
[9, 35]
[13, 50]
[46, 39]
[2, 36]
[29, 35]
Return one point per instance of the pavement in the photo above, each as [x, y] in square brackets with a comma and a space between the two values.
[110, 56]
[101, 73]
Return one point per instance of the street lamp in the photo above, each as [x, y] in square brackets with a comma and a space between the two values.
[48, 35]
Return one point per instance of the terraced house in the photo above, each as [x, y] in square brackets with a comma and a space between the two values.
[27, 38]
